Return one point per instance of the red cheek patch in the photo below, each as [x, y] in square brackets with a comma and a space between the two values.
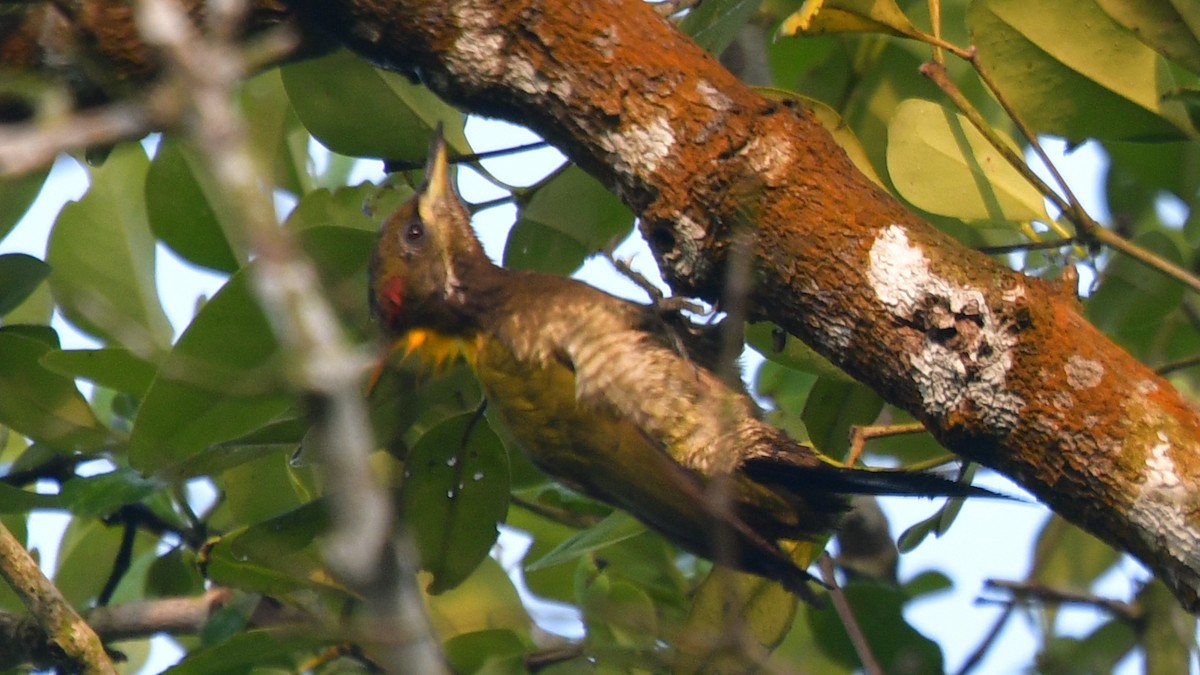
[393, 295]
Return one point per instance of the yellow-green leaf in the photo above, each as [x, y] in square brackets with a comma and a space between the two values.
[820, 17]
[942, 164]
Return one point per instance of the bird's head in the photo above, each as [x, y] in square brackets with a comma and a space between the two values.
[426, 256]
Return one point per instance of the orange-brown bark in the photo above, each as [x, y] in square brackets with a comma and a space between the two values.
[1000, 367]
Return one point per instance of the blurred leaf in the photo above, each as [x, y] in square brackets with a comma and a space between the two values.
[282, 535]
[98, 496]
[714, 24]
[761, 610]
[819, 17]
[20, 274]
[261, 488]
[42, 405]
[897, 646]
[1067, 557]
[357, 110]
[277, 139]
[455, 493]
[832, 408]
[767, 338]
[101, 252]
[16, 500]
[473, 652]
[38, 308]
[1099, 82]
[615, 528]
[1167, 636]
[16, 196]
[257, 647]
[117, 369]
[486, 600]
[939, 162]
[1132, 301]
[1169, 28]
[217, 383]
[346, 207]
[619, 613]
[1099, 652]
[186, 209]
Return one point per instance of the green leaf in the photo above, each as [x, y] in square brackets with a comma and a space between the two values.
[16, 500]
[1100, 82]
[617, 527]
[345, 207]
[620, 613]
[117, 369]
[533, 246]
[16, 196]
[776, 345]
[486, 600]
[893, 641]
[762, 609]
[455, 493]
[98, 496]
[259, 647]
[42, 405]
[20, 275]
[1169, 28]
[219, 382]
[1067, 557]
[102, 254]
[578, 206]
[832, 408]
[357, 110]
[821, 17]
[714, 24]
[940, 163]
[1133, 301]
[186, 209]
[277, 139]
[473, 652]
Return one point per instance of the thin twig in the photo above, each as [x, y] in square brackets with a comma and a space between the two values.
[1178, 364]
[869, 664]
[1028, 246]
[30, 146]
[860, 435]
[1026, 590]
[985, 645]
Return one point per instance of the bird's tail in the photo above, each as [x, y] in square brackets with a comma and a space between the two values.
[830, 478]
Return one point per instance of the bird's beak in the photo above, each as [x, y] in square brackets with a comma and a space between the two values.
[438, 187]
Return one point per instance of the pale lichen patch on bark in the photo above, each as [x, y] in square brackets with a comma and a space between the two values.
[713, 97]
[688, 243]
[638, 149]
[964, 351]
[479, 50]
[771, 159]
[1083, 373]
[1161, 507]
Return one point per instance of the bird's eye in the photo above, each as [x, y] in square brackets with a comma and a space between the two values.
[414, 231]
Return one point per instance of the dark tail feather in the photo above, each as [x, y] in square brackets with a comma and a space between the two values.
[850, 481]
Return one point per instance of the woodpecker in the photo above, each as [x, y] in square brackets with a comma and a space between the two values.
[607, 396]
